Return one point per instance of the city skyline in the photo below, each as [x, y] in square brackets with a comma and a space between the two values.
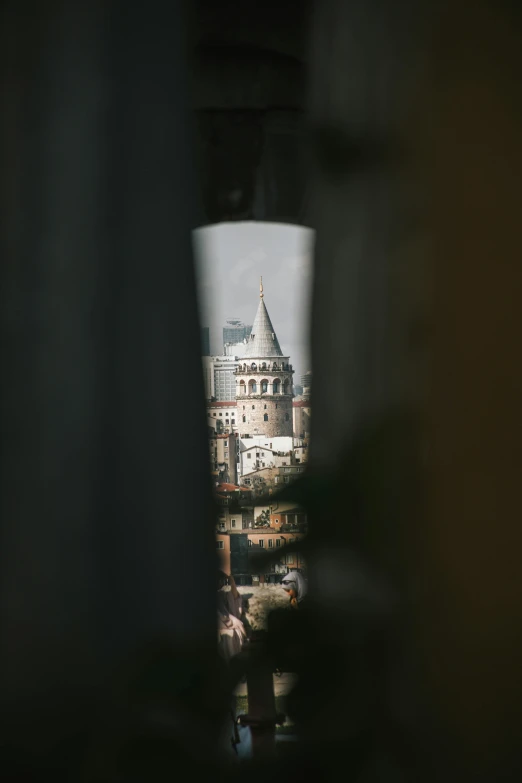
[231, 257]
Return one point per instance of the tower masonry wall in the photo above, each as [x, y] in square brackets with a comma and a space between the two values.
[254, 408]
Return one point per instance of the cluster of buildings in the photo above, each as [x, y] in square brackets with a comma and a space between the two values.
[258, 434]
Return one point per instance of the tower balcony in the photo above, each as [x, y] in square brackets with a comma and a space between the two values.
[277, 397]
[267, 367]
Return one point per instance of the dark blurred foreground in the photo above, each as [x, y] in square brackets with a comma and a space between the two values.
[394, 131]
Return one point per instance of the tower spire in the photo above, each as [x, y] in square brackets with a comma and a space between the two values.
[263, 342]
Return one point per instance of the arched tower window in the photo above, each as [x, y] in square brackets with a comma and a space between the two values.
[242, 387]
[264, 386]
[252, 387]
[253, 366]
[274, 366]
[265, 417]
[244, 419]
[276, 386]
[263, 366]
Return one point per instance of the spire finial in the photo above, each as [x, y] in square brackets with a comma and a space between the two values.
[261, 287]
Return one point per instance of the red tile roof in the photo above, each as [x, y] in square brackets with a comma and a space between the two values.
[222, 489]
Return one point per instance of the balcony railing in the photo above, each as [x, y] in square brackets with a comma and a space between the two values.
[257, 395]
[249, 370]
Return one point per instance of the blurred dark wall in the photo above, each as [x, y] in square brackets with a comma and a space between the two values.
[105, 499]
[416, 120]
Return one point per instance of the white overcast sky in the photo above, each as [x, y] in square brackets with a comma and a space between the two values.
[230, 257]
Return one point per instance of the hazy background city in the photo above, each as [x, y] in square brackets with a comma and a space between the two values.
[230, 257]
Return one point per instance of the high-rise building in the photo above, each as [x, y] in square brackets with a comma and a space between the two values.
[219, 377]
[235, 332]
[235, 349]
[205, 341]
[264, 381]
[306, 381]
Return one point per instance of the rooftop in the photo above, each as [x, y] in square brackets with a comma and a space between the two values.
[227, 488]
[293, 510]
[263, 340]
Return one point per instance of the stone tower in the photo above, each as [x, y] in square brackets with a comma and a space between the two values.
[264, 388]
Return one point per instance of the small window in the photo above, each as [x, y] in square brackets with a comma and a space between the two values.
[253, 407]
[226, 443]
[261, 543]
[265, 407]
[220, 544]
[244, 419]
[257, 454]
[270, 543]
[265, 417]
[226, 454]
[232, 523]
[249, 542]
[249, 455]
[233, 421]
[213, 414]
[243, 407]
[227, 421]
[278, 542]
[289, 559]
[222, 528]
[220, 414]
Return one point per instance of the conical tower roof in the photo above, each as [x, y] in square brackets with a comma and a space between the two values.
[263, 342]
